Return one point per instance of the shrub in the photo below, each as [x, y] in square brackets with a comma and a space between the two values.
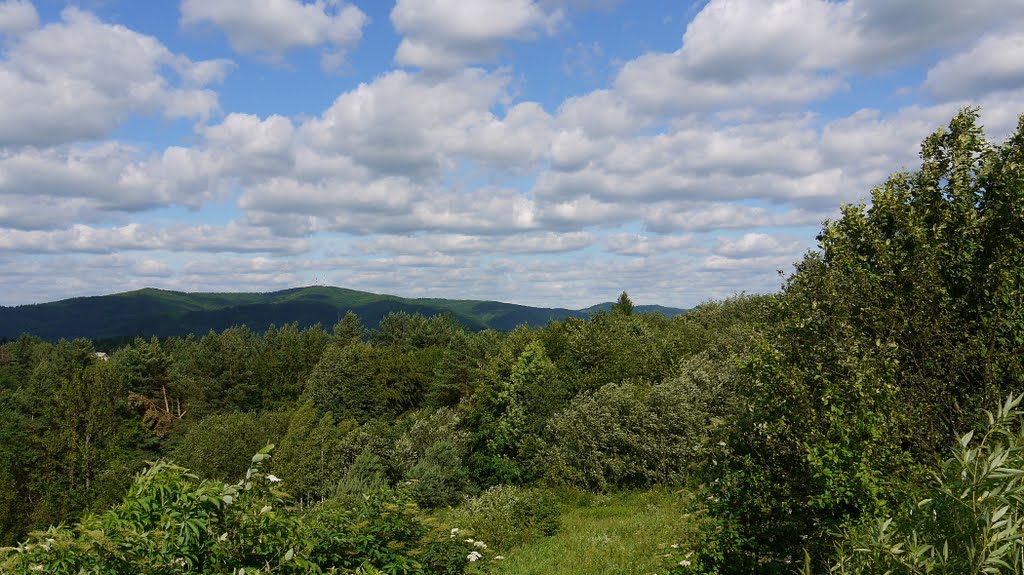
[505, 516]
[441, 476]
[215, 447]
[635, 434]
[172, 522]
[972, 520]
[367, 473]
[884, 343]
[418, 430]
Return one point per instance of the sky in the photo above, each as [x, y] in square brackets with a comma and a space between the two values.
[541, 152]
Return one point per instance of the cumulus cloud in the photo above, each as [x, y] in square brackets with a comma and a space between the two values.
[691, 160]
[644, 245]
[758, 244]
[46, 279]
[897, 32]
[667, 217]
[583, 210]
[528, 243]
[778, 54]
[403, 123]
[273, 27]
[81, 238]
[80, 78]
[444, 35]
[17, 16]
[994, 63]
[85, 181]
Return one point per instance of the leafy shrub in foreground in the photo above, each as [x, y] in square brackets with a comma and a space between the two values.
[972, 521]
[171, 522]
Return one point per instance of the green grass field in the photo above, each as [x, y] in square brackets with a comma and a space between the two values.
[619, 534]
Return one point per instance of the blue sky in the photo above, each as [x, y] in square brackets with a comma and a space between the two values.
[544, 152]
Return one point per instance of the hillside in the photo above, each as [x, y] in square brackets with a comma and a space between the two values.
[164, 313]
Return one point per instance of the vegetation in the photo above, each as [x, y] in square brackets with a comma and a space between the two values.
[971, 519]
[116, 319]
[800, 431]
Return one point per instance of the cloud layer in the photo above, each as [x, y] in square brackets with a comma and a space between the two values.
[689, 173]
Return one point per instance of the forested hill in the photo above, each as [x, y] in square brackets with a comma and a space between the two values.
[149, 311]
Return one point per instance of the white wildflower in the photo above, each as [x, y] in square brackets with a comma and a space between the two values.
[474, 556]
[469, 540]
[674, 546]
[455, 531]
[480, 544]
[684, 563]
[273, 478]
[499, 557]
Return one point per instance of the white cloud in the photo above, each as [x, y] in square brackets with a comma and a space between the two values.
[758, 245]
[406, 124]
[251, 146]
[582, 210]
[695, 160]
[17, 16]
[602, 113]
[644, 245]
[515, 142]
[667, 217]
[444, 35]
[273, 27]
[994, 63]
[895, 32]
[81, 238]
[80, 78]
[779, 54]
[765, 265]
[742, 38]
[57, 277]
[529, 243]
[88, 182]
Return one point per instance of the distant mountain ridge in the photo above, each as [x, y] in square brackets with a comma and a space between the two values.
[150, 311]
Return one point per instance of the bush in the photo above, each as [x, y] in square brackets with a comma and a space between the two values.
[172, 522]
[364, 382]
[441, 478]
[972, 520]
[366, 474]
[418, 430]
[215, 447]
[883, 344]
[635, 434]
[505, 516]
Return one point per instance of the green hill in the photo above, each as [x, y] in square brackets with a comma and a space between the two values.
[158, 312]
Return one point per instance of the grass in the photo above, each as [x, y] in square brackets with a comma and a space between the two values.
[619, 534]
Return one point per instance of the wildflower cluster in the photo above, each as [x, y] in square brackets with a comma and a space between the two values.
[477, 551]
